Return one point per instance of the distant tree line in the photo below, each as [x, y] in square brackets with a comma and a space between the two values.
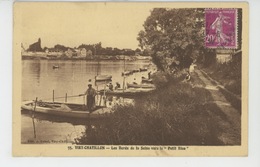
[96, 49]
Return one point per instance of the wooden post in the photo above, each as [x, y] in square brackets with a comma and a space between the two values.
[124, 84]
[66, 96]
[104, 96]
[34, 131]
[124, 76]
[53, 95]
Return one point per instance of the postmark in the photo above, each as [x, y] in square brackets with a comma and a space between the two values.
[221, 28]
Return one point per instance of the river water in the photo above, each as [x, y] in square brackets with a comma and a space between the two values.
[39, 79]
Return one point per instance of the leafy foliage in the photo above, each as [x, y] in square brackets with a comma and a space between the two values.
[173, 35]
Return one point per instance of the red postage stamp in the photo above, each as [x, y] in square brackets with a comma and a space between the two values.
[221, 28]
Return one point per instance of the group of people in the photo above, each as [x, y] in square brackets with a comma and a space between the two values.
[91, 94]
[111, 87]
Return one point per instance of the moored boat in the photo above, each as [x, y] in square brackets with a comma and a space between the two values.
[134, 71]
[103, 82]
[143, 69]
[55, 67]
[103, 77]
[146, 80]
[127, 73]
[127, 92]
[64, 109]
[140, 85]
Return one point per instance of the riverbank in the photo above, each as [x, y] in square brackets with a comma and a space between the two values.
[176, 113]
[228, 78]
[228, 74]
[45, 56]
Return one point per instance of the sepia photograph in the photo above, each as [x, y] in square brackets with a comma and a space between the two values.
[130, 79]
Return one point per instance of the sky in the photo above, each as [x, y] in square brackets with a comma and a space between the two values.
[72, 24]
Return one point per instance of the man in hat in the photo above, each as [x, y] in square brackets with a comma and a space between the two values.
[91, 93]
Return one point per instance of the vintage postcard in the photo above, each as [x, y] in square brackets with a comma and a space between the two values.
[130, 79]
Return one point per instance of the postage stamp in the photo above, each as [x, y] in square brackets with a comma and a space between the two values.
[221, 28]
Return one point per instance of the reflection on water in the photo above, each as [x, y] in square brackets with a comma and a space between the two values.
[39, 79]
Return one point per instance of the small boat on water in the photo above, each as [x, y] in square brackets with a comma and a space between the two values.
[65, 109]
[55, 67]
[146, 80]
[103, 77]
[127, 92]
[127, 73]
[140, 85]
[103, 82]
[143, 69]
[134, 71]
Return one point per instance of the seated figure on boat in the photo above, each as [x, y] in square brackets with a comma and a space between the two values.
[110, 86]
[91, 93]
[134, 82]
[117, 86]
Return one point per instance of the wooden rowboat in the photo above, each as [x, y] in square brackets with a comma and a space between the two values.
[146, 80]
[143, 69]
[140, 85]
[65, 109]
[127, 92]
[103, 77]
[127, 73]
[55, 67]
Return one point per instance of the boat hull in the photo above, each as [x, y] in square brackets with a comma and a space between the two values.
[146, 80]
[140, 85]
[127, 92]
[103, 77]
[64, 111]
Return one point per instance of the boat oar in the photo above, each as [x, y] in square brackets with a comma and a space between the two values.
[64, 97]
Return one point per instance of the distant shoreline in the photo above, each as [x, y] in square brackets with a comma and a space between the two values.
[44, 56]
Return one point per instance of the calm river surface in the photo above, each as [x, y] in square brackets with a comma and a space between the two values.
[39, 79]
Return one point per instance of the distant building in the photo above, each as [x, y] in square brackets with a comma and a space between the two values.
[69, 53]
[83, 52]
[89, 53]
[35, 47]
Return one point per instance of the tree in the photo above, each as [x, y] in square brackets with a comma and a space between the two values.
[59, 47]
[137, 50]
[173, 35]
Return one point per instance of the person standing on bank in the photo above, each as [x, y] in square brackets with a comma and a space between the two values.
[91, 93]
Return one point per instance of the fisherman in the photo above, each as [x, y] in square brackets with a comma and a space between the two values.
[91, 93]
[117, 86]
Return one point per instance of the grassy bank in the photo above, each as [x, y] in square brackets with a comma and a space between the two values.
[174, 114]
[228, 74]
